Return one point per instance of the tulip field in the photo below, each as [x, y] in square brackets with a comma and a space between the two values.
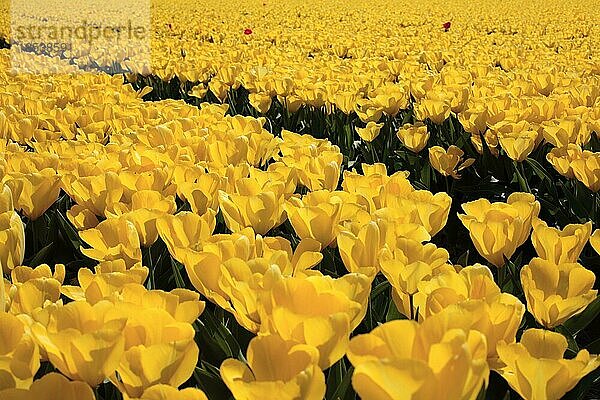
[304, 200]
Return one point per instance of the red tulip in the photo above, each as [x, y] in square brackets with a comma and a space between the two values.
[247, 31]
[447, 26]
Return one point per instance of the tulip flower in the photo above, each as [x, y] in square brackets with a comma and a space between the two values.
[360, 250]
[560, 246]
[316, 219]
[34, 193]
[185, 230]
[436, 110]
[296, 376]
[167, 392]
[72, 333]
[370, 132]
[82, 218]
[535, 367]
[94, 192]
[108, 279]
[517, 144]
[261, 208]
[437, 359]
[12, 237]
[260, 101]
[158, 350]
[562, 157]
[554, 292]
[497, 229]
[113, 239]
[19, 354]
[47, 388]
[414, 137]
[587, 170]
[337, 307]
[448, 163]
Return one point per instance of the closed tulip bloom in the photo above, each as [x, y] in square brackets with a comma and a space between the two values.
[260, 101]
[587, 169]
[12, 237]
[360, 250]
[19, 354]
[436, 359]
[296, 374]
[554, 292]
[414, 137]
[72, 333]
[336, 308]
[34, 193]
[535, 367]
[314, 219]
[370, 132]
[448, 163]
[47, 388]
[113, 239]
[518, 144]
[560, 246]
[497, 229]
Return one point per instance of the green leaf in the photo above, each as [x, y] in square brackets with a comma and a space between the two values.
[42, 256]
[393, 313]
[581, 391]
[69, 232]
[578, 322]
[339, 379]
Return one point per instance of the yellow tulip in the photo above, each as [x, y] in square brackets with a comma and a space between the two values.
[82, 218]
[167, 392]
[436, 110]
[587, 169]
[555, 293]
[275, 366]
[94, 192]
[560, 246]
[261, 208]
[535, 367]
[316, 216]
[370, 132]
[109, 278]
[497, 229]
[517, 141]
[336, 308]
[113, 239]
[185, 230]
[360, 250]
[414, 137]
[34, 193]
[437, 359]
[158, 350]
[562, 157]
[47, 388]
[12, 237]
[410, 262]
[448, 163]
[19, 354]
[82, 341]
[260, 101]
